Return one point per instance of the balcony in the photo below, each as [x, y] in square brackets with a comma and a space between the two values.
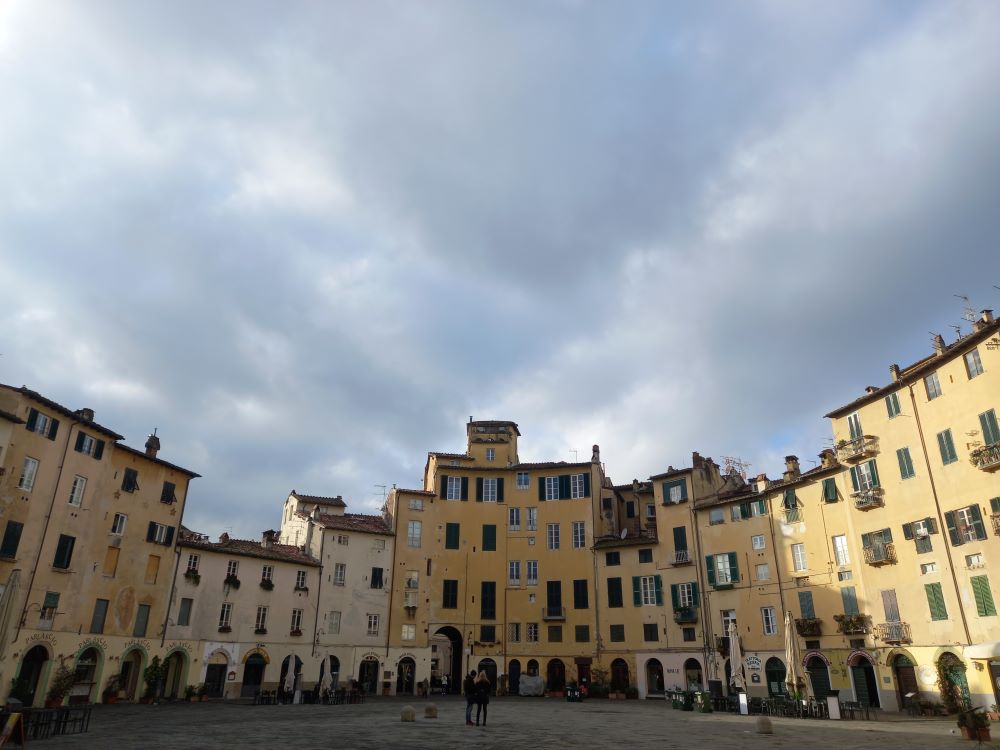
[685, 615]
[873, 497]
[852, 451]
[853, 624]
[793, 515]
[893, 632]
[809, 627]
[995, 518]
[722, 644]
[880, 554]
[410, 599]
[681, 557]
[553, 613]
[986, 458]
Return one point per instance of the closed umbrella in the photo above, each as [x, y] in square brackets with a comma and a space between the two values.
[737, 679]
[794, 681]
[290, 675]
[326, 681]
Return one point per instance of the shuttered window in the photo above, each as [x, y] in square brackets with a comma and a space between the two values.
[806, 604]
[830, 490]
[984, 597]
[64, 552]
[11, 539]
[850, 600]
[615, 592]
[935, 601]
[489, 537]
[905, 463]
[451, 536]
[947, 447]
[892, 405]
[991, 430]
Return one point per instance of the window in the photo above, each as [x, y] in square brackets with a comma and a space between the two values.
[675, 491]
[118, 525]
[892, 405]
[450, 597]
[612, 558]
[555, 633]
[580, 596]
[579, 535]
[76, 492]
[375, 581]
[722, 569]
[490, 487]
[551, 488]
[488, 600]
[531, 632]
[770, 623]
[716, 516]
[89, 446]
[193, 562]
[850, 600]
[728, 618]
[408, 633]
[523, 482]
[935, 601]
[169, 493]
[513, 572]
[157, 533]
[531, 572]
[973, 365]
[905, 463]
[799, 562]
[100, 615]
[267, 573]
[757, 541]
[974, 561]
[840, 554]
[829, 490]
[297, 622]
[41, 424]
[342, 539]
[64, 552]
[933, 386]
[184, 612]
[651, 512]
[617, 633]
[489, 537]
[488, 633]
[260, 623]
[983, 596]
[806, 605]
[650, 632]
[416, 503]
[513, 519]
[926, 568]
[513, 632]
[686, 595]
[413, 529]
[451, 535]
[763, 572]
[688, 634]
[301, 578]
[864, 476]
[991, 430]
[226, 616]
[646, 555]
[454, 485]
[11, 539]
[844, 575]
[577, 485]
[28, 472]
[531, 518]
[615, 593]
[333, 622]
[965, 525]
[491, 454]
[649, 590]
[232, 568]
[553, 535]
[48, 611]
[339, 574]
[947, 447]
[130, 482]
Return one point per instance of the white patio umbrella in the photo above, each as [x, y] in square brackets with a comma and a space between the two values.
[736, 676]
[794, 681]
[326, 682]
[290, 675]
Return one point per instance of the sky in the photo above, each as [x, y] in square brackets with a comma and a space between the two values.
[307, 241]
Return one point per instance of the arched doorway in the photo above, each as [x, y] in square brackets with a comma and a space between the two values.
[556, 675]
[819, 676]
[453, 670]
[253, 675]
[619, 675]
[953, 670]
[863, 677]
[654, 677]
[532, 667]
[774, 673]
[693, 679]
[130, 675]
[34, 666]
[215, 674]
[368, 675]
[404, 676]
[85, 677]
[291, 672]
[514, 677]
[906, 679]
[490, 667]
[175, 675]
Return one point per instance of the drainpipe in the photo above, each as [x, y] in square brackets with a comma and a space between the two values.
[597, 495]
[319, 591]
[777, 563]
[702, 584]
[177, 564]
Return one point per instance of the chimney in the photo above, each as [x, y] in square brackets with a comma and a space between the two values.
[595, 456]
[827, 458]
[223, 537]
[152, 445]
[269, 538]
[870, 389]
[760, 483]
[87, 415]
[894, 372]
[985, 320]
[939, 345]
[791, 469]
[987, 316]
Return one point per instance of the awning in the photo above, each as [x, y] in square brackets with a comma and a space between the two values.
[988, 650]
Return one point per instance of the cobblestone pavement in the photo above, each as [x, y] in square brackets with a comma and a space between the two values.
[513, 723]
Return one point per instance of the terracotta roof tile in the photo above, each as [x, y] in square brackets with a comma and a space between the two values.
[359, 522]
[137, 452]
[337, 502]
[248, 548]
[64, 410]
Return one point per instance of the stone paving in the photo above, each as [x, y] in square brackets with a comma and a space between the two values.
[513, 723]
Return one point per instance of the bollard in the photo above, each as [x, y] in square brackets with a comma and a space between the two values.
[764, 725]
[409, 714]
[430, 711]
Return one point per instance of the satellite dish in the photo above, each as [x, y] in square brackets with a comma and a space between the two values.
[624, 533]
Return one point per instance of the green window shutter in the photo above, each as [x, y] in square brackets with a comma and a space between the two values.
[586, 484]
[745, 510]
[761, 507]
[479, 489]
[451, 536]
[658, 583]
[53, 429]
[977, 522]
[541, 489]
[694, 594]
[866, 540]
[887, 536]
[931, 525]
[991, 430]
[905, 463]
[734, 567]
[636, 591]
[850, 600]
[675, 600]
[806, 604]
[874, 470]
[995, 504]
[500, 490]
[952, 524]
[935, 601]
[984, 597]
[710, 569]
[790, 502]
[855, 483]
[680, 536]
[80, 437]
[32, 420]
[489, 537]
[465, 488]
[830, 490]
[947, 447]
[892, 405]
[907, 531]
[444, 486]
[11, 539]
[564, 486]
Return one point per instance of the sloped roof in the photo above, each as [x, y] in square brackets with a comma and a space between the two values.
[337, 502]
[359, 522]
[248, 548]
[143, 454]
[64, 410]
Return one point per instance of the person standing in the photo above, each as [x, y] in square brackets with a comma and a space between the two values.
[482, 691]
[469, 687]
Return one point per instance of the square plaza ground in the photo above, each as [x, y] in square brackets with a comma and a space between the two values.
[513, 723]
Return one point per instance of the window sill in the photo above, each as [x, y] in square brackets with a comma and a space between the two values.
[61, 570]
[306, 588]
[225, 629]
[260, 631]
[295, 633]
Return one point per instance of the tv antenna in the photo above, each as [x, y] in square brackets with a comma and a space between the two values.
[734, 465]
[383, 488]
[576, 455]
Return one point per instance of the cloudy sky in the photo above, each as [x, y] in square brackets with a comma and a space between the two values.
[307, 242]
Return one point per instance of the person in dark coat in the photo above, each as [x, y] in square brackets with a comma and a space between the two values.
[482, 692]
[469, 688]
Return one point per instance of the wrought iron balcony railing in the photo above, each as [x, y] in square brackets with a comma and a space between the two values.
[681, 557]
[866, 499]
[685, 615]
[857, 449]
[553, 613]
[893, 632]
[880, 554]
[853, 624]
[809, 627]
[986, 458]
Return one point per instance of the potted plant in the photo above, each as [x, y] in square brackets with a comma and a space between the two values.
[152, 676]
[193, 576]
[974, 725]
[59, 687]
[110, 693]
[232, 581]
[296, 632]
[631, 692]
[265, 583]
[19, 691]
[994, 713]
[190, 693]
